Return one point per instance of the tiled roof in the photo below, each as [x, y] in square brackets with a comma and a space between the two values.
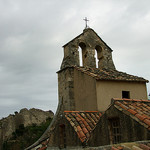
[107, 74]
[42, 145]
[139, 110]
[140, 145]
[134, 145]
[83, 122]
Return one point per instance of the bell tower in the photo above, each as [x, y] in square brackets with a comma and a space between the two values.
[90, 44]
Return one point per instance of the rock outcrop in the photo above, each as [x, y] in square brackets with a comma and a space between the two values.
[26, 117]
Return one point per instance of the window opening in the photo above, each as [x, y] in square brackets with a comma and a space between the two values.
[99, 54]
[115, 131]
[125, 94]
[62, 142]
[80, 56]
[96, 59]
[83, 53]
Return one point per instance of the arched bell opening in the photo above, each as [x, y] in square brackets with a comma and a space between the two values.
[82, 53]
[98, 55]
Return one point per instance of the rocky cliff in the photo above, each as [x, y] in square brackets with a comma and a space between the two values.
[26, 117]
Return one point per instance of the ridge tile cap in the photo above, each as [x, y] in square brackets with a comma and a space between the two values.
[129, 100]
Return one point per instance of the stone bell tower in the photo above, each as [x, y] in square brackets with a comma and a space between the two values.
[90, 43]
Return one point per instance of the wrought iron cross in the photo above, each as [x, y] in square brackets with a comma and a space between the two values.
[86, 20]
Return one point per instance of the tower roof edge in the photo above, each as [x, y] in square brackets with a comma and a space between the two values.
[86, 30]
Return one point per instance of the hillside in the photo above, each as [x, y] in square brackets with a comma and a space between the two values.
[23, 128]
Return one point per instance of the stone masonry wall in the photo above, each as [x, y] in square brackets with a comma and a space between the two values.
[66, 88]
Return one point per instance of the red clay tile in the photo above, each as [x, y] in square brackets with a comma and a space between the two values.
[126, 99]
[145, 109]
[138, 104]
[85, 130]
[97, 116]
[132, 106]
[145, 100]
[124, 102]
[81, 134]
[78, 119]
[83, 138]
[132, 111]
[43, 148]
[45, 142]
[140, 116]
[144, 104]
[91, 125]
[118, 103]
[148, 107]
[116, 99]
[144, 147]
[137, 100]
[79, 128]
[114, 148]
[85, 123]
[100, 114]
[120, 147]
[147, 122]
[82, 125]
[87, 135]
[89, 128]
[139, 111]
[147, 117]
[94, 117]
[81, 120]
[124, 107]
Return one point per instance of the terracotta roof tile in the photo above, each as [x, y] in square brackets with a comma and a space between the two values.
[132, 111]
[114, 148]
[107, 74]
[43, 148]
[139, 145]
[42, 145]
[137, 109]
[83, 122]
[145, 147]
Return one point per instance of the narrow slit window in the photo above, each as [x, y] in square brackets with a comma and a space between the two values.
[80, 56]
[62, 138]
[96, 59]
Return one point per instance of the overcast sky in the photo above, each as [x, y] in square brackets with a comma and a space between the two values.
[32, 33]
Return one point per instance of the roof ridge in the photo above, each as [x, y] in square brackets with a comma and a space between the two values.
[136, 109]
[131, 100]
[109, 74]
[80, 111]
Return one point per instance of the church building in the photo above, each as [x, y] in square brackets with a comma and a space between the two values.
[98, 105]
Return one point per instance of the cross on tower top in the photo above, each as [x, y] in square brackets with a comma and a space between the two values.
[86, 20]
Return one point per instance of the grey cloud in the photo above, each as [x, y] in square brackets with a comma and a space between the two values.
[32, 34]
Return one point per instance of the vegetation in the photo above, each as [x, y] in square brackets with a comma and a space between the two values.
[25, 136]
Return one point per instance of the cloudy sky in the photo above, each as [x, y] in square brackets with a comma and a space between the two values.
[32, 33]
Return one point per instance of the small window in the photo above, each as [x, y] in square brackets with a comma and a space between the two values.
[115, 131]
[125, 94]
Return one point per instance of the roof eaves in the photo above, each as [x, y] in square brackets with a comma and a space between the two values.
[64, 69]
